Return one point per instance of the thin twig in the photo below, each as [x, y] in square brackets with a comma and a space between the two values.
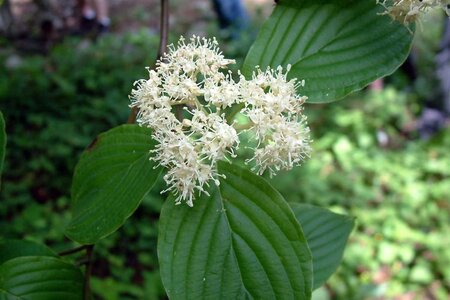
[133, 115]
[87, 275]
[163, 40]
[164, 28]
[81, 262]
[72, 251]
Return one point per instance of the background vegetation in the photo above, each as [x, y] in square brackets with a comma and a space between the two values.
[368, 162]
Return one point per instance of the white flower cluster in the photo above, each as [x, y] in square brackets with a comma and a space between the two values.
[183, 102]
[407, 11]
[275, 110]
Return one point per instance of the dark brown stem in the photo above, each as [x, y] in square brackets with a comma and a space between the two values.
[164, 28]
[132, 116]
[163, 40]
[87, 275]
[72, 251]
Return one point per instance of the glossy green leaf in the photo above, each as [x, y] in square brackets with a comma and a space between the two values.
[2, 143]
[242, 242]
[337, 46]
[110, 180]
[40, 278]
[7, 296]
[10, 248]
[327, 234]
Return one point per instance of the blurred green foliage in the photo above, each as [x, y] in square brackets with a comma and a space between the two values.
[54, 106]
[367, 163]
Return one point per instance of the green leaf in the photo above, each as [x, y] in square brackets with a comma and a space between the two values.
[4, 295]
[2, 144]
[40, 278]
[337, 47]
[110, 180]
[242, 242]
[327, 234]
[14, 248]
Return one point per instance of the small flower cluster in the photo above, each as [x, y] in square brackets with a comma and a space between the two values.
[407, 11]
[275, 110]
[183, 102]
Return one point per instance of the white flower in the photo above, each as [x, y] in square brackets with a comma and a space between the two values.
[216, 137]
[148, 93]
[287, 146]
[275, 110]
[272, 92]
[188, 149]
[407, 11]
[186, 173]
[201, 55]
[189, 146]
[160, 119]
[185, 179]
[173, 147]
[180, 87]
[222, 92]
